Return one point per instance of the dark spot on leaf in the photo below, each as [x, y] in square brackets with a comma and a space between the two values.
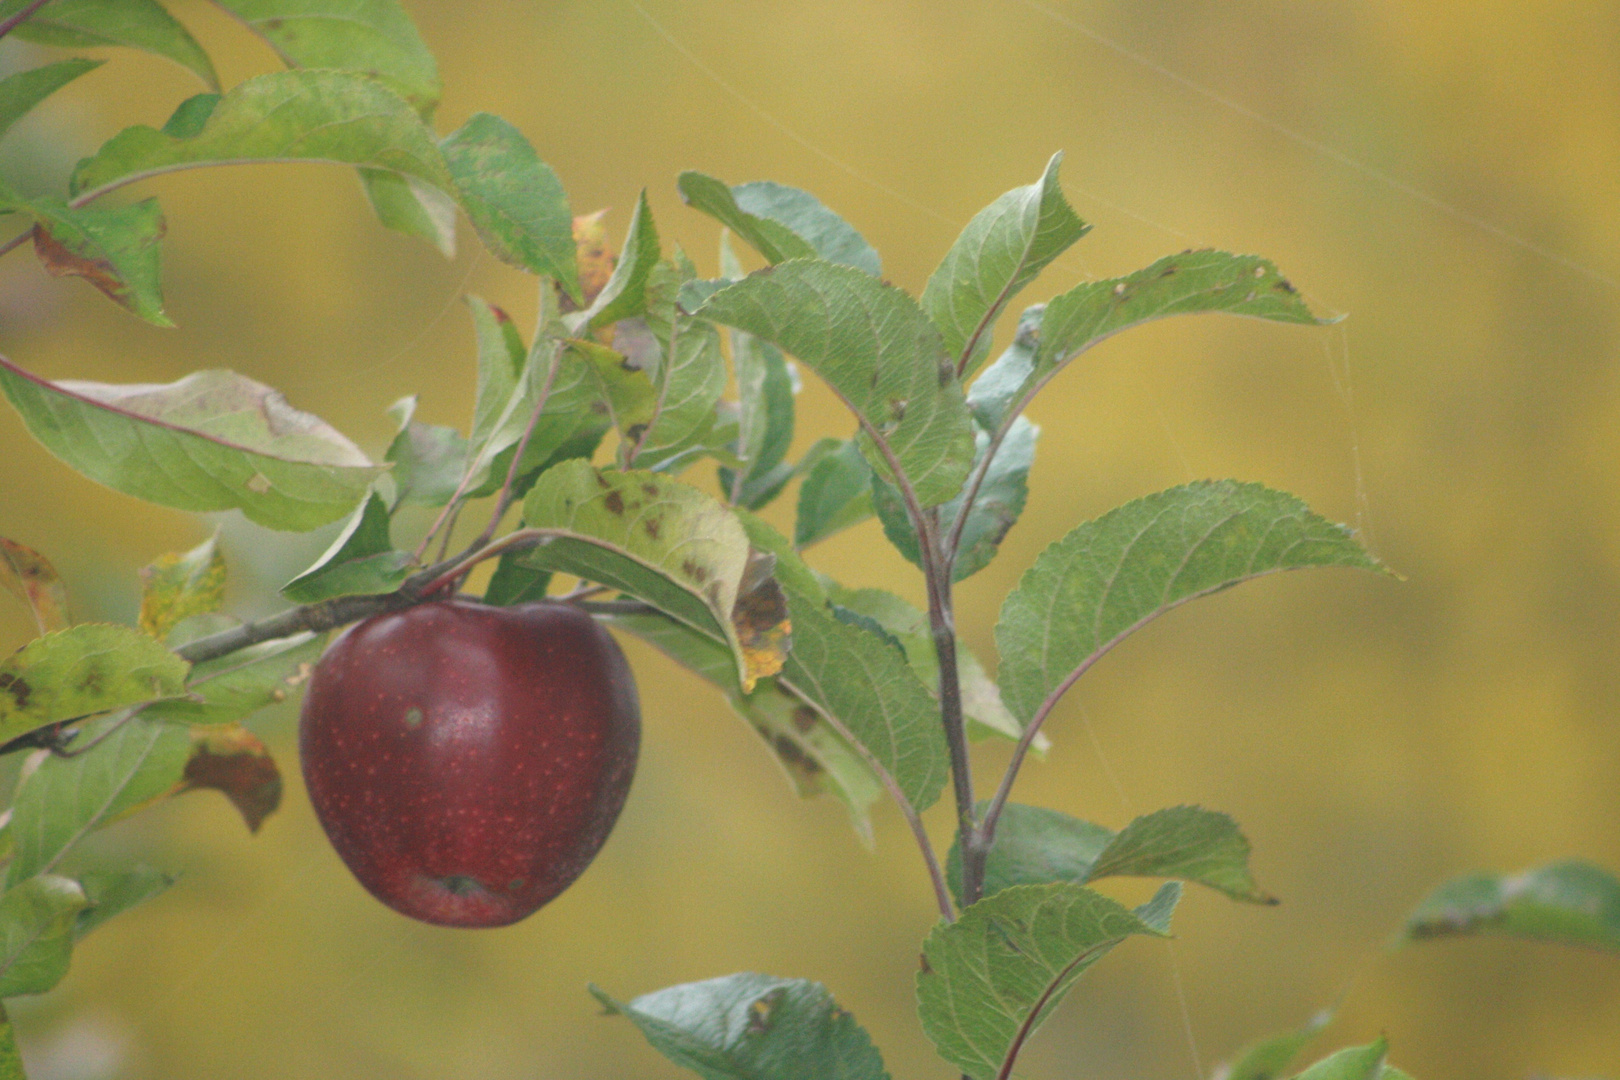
[946, 373]
[17, 688]
[634, 432]
[272, 24]
[602, 482]
[695, 570]
[922, 960]
[500, 315]
[649, 490]
[93, 681]
[237, 763]
[760, 1012]
[614, 503]
[794, 757]
[651, 525]
[1284, 285]
[804, 718]
[1167, 271]
[897, 409]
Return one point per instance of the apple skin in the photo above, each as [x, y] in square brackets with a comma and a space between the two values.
[468, 761]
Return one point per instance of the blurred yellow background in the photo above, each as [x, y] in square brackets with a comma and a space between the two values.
[1446, 173]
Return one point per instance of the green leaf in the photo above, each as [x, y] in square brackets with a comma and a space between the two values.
[1185, 842]
[836, 493]
[36, 933]
[502, 360]
[331, 116]
[1268, 1058]
[1089, 590]
[996, 389]
[1355, 1063]
[993, 976]
[11, 1062]
[374, 37]
[688, 382]
[574, 415]
[85, 669]
[362, 560]
[668, 544]
[816, 759]
[236, 686]
[57, 804]
[1566, 903]
[30, 577]
[996, 508]
[428, 459]
[780, 222]
[849, 674]
[875, 348]
[408, 205]
[115, 248]
[753, 1027]
[19, 93]
[176, 587]
[113, 892]
[515, 201]
[981, 700]
[1189, 283]
[514, 583]
[1000, 251]
[625, 293]
[765, 392]
[212, 441]
[135, 24]
[1035, 845]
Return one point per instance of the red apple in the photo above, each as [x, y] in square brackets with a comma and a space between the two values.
[468, 761]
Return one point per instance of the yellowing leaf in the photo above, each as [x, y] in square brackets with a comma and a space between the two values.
[32, 579]
[177, 587]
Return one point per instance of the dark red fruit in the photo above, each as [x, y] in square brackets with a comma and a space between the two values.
[468, 761]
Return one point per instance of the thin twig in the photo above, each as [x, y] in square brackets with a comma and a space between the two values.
[16, 241]
[21, 17]
[71, 751]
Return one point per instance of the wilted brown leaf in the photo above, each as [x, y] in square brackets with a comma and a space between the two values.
[31, 577]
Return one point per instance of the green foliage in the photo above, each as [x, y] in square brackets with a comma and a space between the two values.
[113, 248]
[753, 1027]
[371, 36]
[80, 671]
[211, 441]
[135, 24]
[876, 349]
[36, 933]
[666, 543]
[1269, 1058]
[1002, 249]
[361, 560]
[1090, 589]
[113, 892]
[1034, 845]
[513, 198]
[853, 677]
[236, 686]
[991, 978]
[1567, 903]
[780, 222]
[836, 493]
[62, 800]
[429, 460]
[19, 93]
[625, 294]
[1355, 1063]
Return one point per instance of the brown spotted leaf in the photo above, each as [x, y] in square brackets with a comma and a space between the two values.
[85, 669]
[233, 760]
[176, 587]
[116, 249]
[31, 577]
[668, 544]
